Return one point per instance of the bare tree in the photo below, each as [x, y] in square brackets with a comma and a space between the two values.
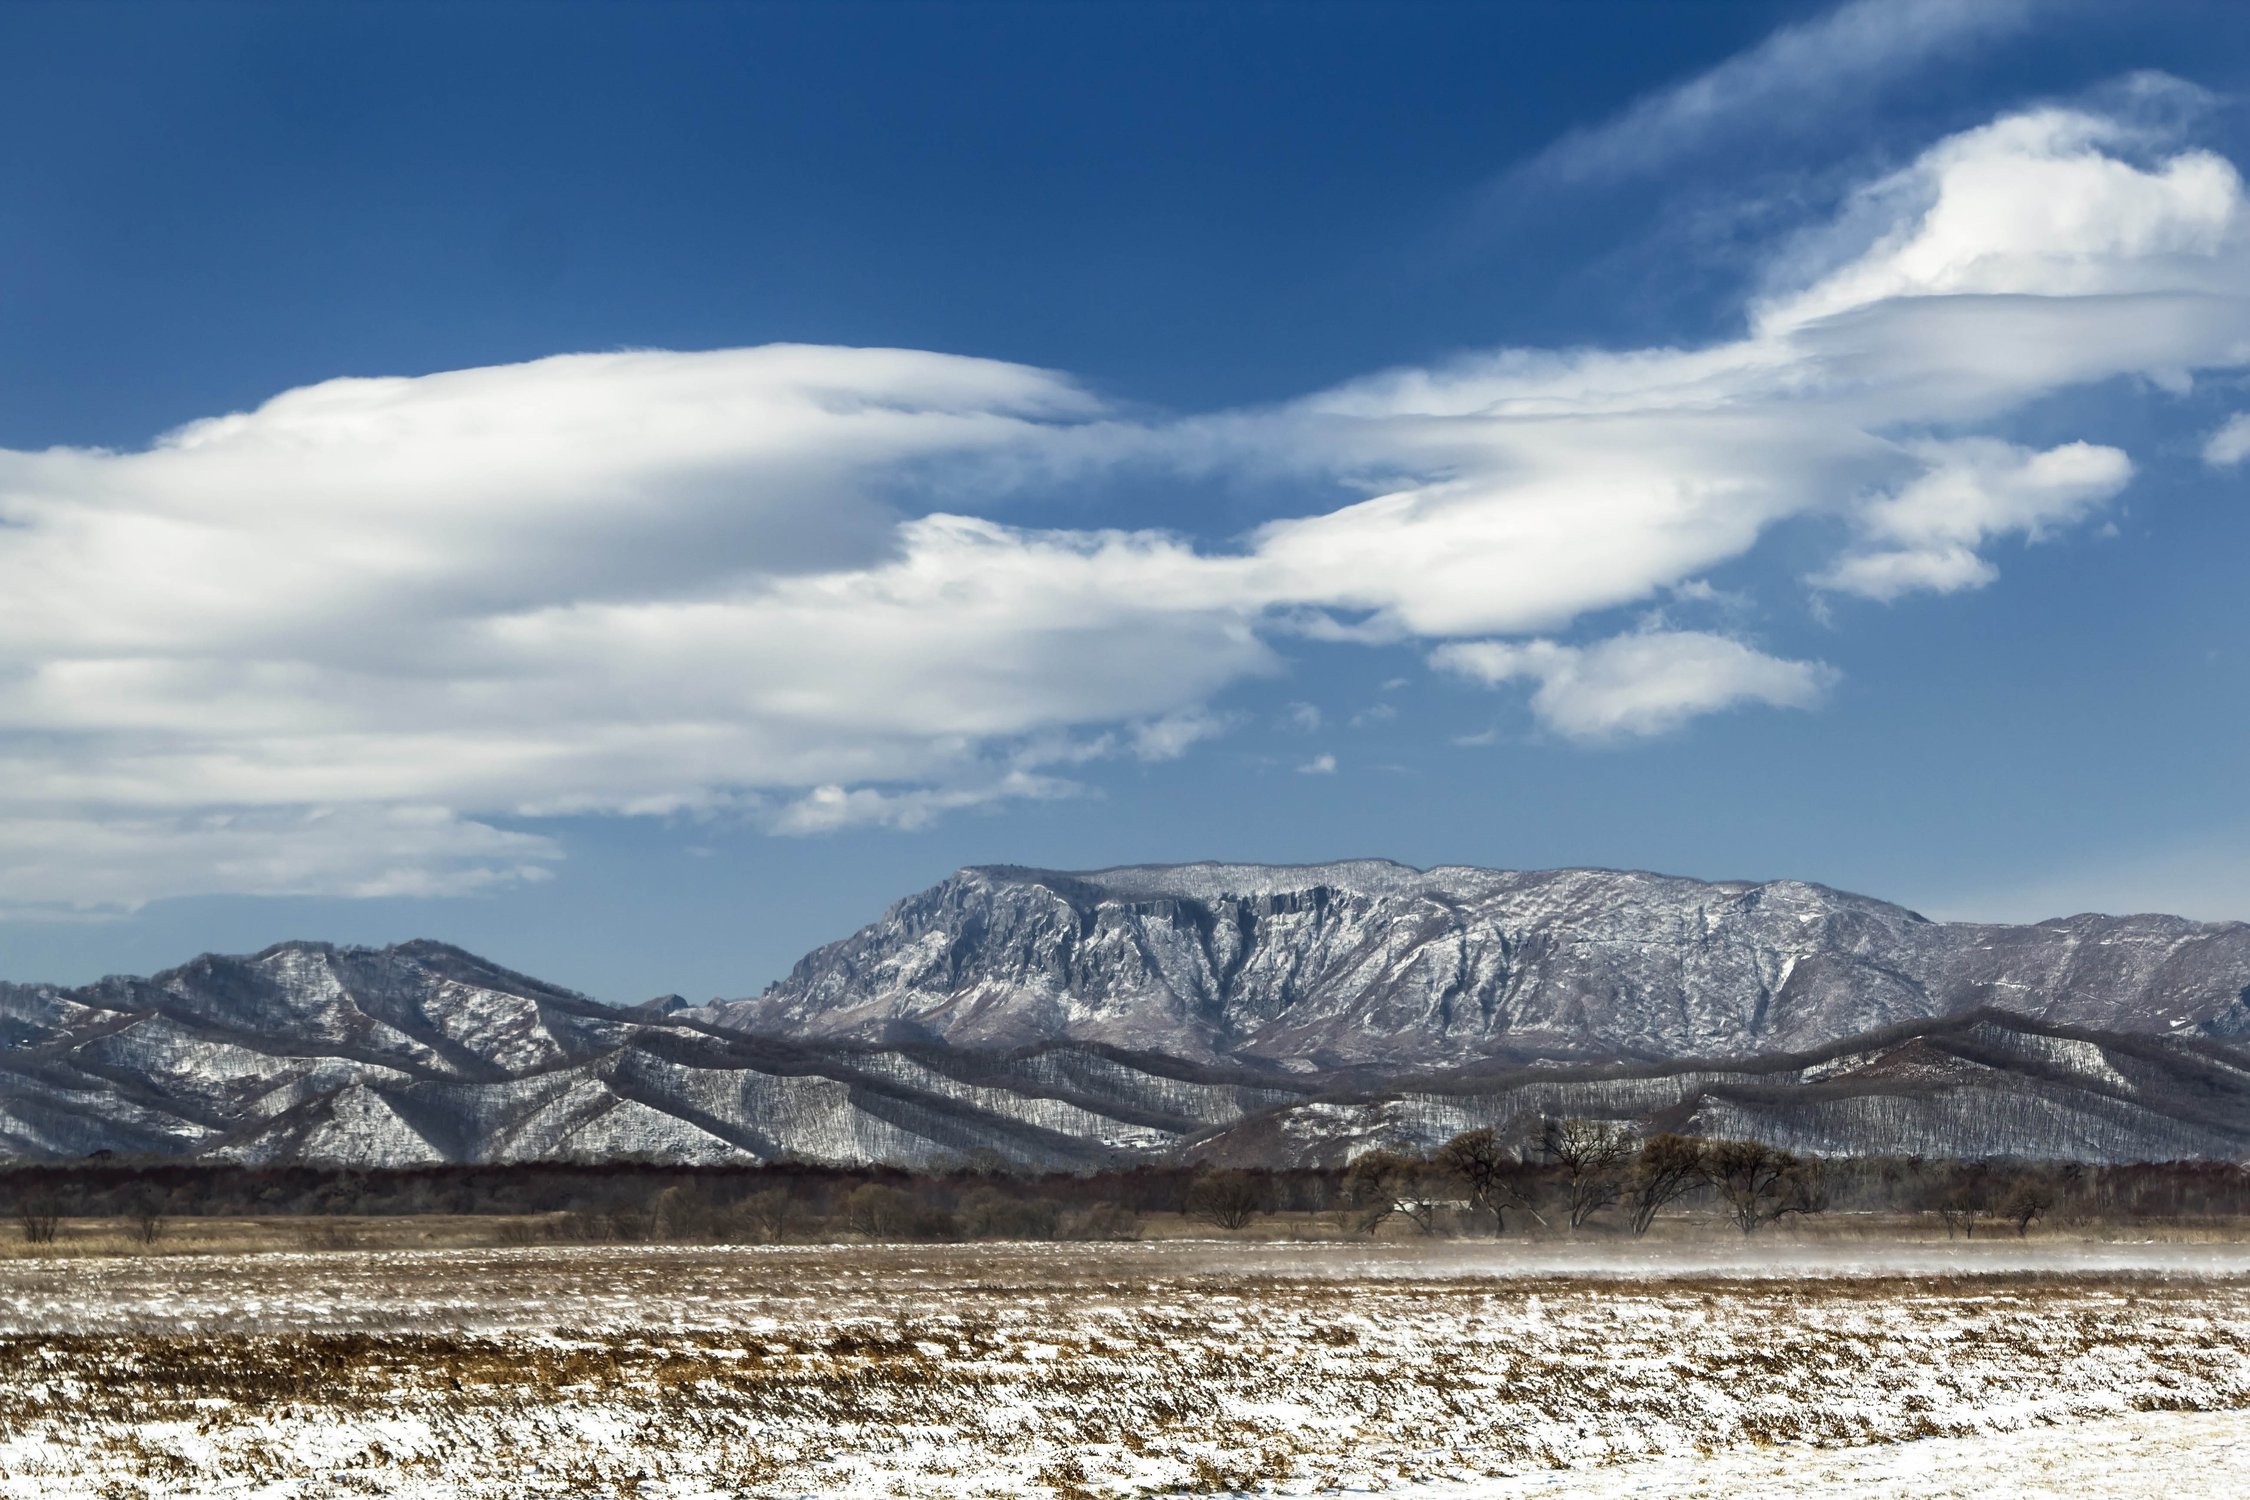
[871, 1209]
[1103, 1221]
[1426, 1190]
[770, 1214]
[1964, 1196]
[1374, 1183]
[38, 1218]
[1225, 1198]
[882, 1212]
[1593, 1155]
[1760, 1183]
[2028, 1201]
[1668, 1168]
[1960, 1208]
[987, 1213]
[629, 1226]
[1486, 1168]
[678, 1214]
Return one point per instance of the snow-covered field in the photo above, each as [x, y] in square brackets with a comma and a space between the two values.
[1111, 1370]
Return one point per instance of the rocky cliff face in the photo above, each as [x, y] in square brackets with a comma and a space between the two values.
[1371, 964]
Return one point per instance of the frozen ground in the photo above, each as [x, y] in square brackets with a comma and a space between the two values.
[1477, 1371]
[2140, 1457]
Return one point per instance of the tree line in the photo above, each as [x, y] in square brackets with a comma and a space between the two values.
[1560, 1175]
[1573, 1172]
[1569, 1174]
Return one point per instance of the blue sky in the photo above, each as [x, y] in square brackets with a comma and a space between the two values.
[1739, 440]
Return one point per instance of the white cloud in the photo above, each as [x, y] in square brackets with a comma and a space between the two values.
[1557, 484]
[2230, 445]
[1303, 718]
[1172, 736]
[1925, 535]
[636, 584]
[1797, 73]
[745, 581]
[1323, 764]
[1637, 685]
[62, 860]
[825, 809]
[2039, 204]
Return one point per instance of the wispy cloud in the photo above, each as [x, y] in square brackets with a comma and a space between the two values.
[1927, 535]
[2230, 445]
[344, 642]
[1632, 686]
[1794, 75]
[825, 809]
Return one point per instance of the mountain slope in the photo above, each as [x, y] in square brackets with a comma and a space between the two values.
[1982, 1085]
[1061, 1021]
[1371, 964]
[423, 1053]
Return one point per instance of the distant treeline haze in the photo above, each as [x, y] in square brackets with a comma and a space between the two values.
[1568, 1176]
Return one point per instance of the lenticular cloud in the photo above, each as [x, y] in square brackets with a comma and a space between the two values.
[334, 644]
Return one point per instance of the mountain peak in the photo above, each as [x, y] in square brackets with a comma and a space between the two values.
[1062, 1019]
[1368, 962]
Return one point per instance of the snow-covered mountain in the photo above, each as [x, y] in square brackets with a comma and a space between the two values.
[423, 1053]
[1981, 1085]
[1240, 1012]
[1368, 964]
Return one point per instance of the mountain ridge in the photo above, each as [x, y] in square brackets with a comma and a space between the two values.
[1059, 1020]
[1279, 964]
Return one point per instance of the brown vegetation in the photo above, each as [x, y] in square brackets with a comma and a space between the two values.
[1225, 1199]
[1541, 1176]
[1093, 1370]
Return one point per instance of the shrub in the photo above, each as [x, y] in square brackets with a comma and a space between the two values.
[37, 1218]
[888, 1213]
[1226, 1199]
[989, 1214]
[769, 1216]
[1103, 1221]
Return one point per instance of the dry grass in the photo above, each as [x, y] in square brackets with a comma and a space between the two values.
[245, 1236]
[257, 1235]
[1079, 1371]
